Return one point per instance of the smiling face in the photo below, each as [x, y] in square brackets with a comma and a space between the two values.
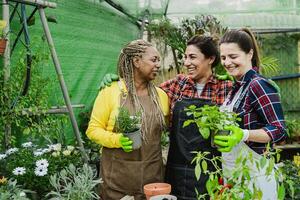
[236, 62]
[147, 66]
[198, 66]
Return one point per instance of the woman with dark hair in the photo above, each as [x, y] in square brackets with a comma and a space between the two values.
[125, 171]
[257, 103]
[198, 87]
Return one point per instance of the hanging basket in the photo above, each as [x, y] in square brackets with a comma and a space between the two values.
[2, 46]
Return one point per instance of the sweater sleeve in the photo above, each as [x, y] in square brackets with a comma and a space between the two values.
[100, 120]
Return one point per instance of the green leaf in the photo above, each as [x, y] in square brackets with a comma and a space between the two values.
[26, 131]
[204, 165]
[204, 132]
[281, 192]
[187, 122]
[197, 171]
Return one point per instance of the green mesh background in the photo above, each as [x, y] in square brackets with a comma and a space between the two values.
[88, 38]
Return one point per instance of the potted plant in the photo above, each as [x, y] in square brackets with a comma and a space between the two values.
[153, 189]
[2, 37]
[130, 126]
[210, 120]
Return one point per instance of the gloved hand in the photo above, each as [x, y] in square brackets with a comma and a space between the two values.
[107, 80]
[227, 142]
[225, 77]
[126, 143]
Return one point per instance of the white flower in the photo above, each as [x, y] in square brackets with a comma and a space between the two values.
[22, 194]
[41, 171]
[19, 171]
[46, 150]
[55, 147]
[67, 152]
[37, 153]
[42, 163]
[11, 151]
[27, 144]
[56, 153]
[2, 156]
[70, 148]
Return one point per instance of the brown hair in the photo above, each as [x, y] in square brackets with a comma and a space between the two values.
[207, 45]
[245, 39]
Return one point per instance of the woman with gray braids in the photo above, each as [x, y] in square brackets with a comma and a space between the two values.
[125, 171]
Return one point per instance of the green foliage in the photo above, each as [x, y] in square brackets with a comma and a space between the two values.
[27, 114]
[74, 184]
[269, 66]
[176, 36]
[293, 130]
[126, 123]
[10, 190]
[32, 166]
[238, 181]
[291, 178]
[210, 119]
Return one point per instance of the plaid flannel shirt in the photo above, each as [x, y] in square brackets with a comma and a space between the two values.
[183, 87]
[260, 108]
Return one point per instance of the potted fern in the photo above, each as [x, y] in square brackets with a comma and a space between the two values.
[211, 120]
[130, 126]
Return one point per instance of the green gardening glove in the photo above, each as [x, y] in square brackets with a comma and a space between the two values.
[126, 143]
[227, 142]
[107, 80]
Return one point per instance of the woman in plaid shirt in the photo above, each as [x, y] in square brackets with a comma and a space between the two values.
[257, 103]
[199, 87]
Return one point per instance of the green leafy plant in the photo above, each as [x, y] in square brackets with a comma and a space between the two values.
[126, 123]
[10, 190]
[32, 167]
[291, 177]
[239, 184]
[210, 119]
[74, 183]
[293, 130]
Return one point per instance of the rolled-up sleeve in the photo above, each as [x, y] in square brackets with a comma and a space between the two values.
[265, 99]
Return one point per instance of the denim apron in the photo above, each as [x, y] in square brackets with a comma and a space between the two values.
[267, 184]
[180, 173]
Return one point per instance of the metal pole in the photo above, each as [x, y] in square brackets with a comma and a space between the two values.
[37, 3]
[62, 82]
[6, 68]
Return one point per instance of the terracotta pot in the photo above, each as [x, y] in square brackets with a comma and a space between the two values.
[2, 46]
[153, 189]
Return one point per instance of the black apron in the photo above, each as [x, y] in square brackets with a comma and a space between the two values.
[180, 173]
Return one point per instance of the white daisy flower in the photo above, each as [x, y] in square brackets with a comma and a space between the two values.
[37, 153]
[27, 144]
[55, 147]
[66, 152]
[41, 171]
[19, 171]
[42, 163]
[47, 150]
[2, 156]
[70, 148]
[11, 151]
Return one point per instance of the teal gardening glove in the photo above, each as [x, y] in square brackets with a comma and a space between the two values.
[227, 142]
[126, 143]
[107, 80]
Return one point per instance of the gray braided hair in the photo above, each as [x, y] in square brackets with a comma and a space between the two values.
[134, 49]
